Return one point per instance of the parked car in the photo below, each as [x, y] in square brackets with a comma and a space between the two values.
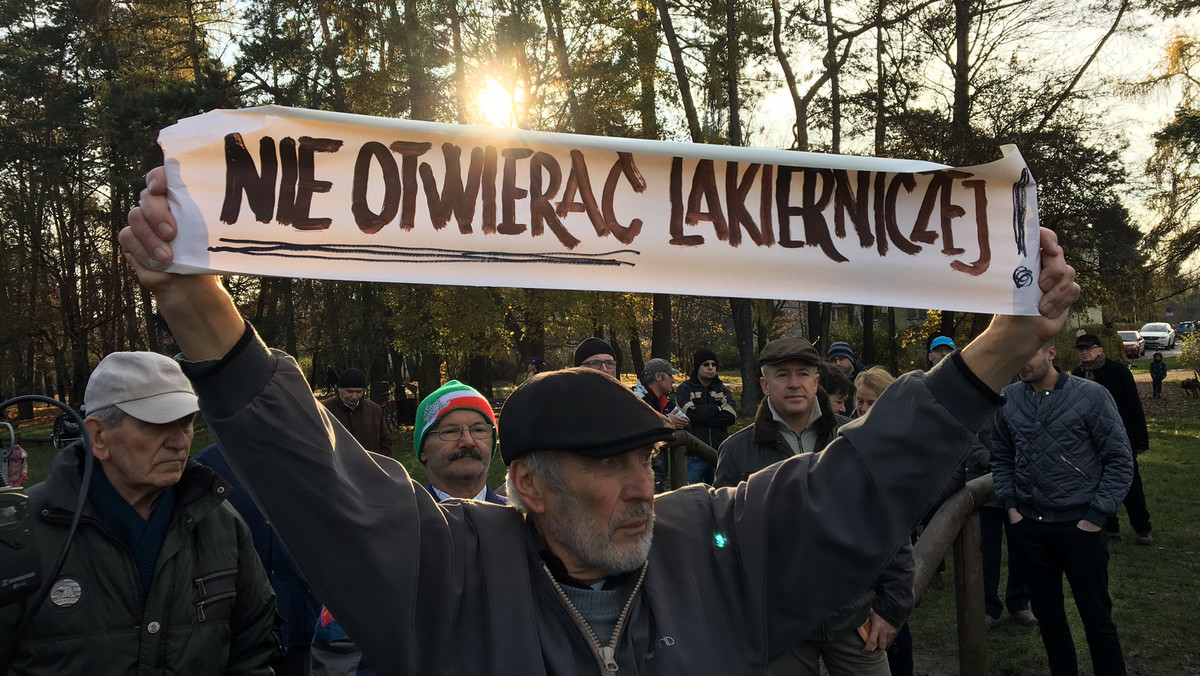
[1135, 345]
[1185, 327]
[1158, 334]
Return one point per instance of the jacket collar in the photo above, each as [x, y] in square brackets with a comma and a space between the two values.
[489, 495]
[695, 380]
[767, 432]
[198, 492]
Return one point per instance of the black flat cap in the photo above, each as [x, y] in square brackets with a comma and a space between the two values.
[580, 410]
[1087, 340]
[787, 349]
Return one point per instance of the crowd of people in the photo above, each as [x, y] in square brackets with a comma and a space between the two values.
[793, 553]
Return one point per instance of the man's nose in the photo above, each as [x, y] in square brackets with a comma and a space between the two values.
[639, 485]
[178, 438]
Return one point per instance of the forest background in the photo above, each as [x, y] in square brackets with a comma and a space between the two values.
[86, 85]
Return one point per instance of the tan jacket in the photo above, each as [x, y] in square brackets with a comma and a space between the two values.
[365, 422]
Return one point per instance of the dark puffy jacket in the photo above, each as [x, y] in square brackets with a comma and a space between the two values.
[210, 609]
[1061, 454]
[710, 410]
[760, 444]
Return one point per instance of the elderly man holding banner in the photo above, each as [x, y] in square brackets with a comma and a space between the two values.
[571, 581]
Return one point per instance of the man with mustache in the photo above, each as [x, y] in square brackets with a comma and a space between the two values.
[455, 437]
[591, 573]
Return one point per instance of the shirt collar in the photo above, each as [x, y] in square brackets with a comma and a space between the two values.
[442, 495]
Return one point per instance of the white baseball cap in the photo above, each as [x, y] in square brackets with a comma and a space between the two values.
[146, 385]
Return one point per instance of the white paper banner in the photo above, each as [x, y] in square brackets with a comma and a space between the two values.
[300, 193]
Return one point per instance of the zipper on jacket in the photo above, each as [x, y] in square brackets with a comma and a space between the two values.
[605, 655]
[202, 597]
[1073, 466]
[201, 616]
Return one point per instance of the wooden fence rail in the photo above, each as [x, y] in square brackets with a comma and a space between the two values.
[956, 525]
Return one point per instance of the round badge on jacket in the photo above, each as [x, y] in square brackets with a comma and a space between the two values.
[66, 592]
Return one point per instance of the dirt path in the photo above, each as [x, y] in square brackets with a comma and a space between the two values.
[1172, 395]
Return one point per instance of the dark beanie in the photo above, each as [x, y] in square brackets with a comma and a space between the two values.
[544, 414]
[590, 348]
[702, 355]
[352, 378]
[840, 349]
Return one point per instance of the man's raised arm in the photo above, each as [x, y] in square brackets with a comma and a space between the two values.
[201, 315]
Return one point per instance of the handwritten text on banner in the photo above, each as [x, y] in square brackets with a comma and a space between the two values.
[299, 193]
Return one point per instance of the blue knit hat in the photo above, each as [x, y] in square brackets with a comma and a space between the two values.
[840, 349]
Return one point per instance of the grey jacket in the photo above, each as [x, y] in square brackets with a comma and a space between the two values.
[210, 609]
[459, 587]
[1061, 454]
[891, 594]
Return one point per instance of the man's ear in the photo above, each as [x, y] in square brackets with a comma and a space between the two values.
[762, 384]
[530, 487]
[98, 433]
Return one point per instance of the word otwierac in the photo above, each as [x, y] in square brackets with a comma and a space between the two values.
[297, 193]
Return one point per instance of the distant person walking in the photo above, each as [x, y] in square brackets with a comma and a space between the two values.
[1158, 373]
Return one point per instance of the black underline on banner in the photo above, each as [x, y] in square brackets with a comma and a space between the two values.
[382, 253]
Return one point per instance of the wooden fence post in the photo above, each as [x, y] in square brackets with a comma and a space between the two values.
[968, 592]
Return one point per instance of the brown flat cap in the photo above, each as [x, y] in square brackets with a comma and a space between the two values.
[787, 349]
[580, 410]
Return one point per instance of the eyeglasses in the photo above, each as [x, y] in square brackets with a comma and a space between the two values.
[598, 363]
[480, 431]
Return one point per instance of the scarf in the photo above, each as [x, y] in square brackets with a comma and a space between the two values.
[1089, 368]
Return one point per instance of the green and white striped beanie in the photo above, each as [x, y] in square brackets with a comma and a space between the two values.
[449, 397]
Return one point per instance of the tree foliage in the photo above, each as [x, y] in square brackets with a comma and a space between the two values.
[84, 89]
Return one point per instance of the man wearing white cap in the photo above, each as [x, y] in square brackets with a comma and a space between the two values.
[161, 574]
